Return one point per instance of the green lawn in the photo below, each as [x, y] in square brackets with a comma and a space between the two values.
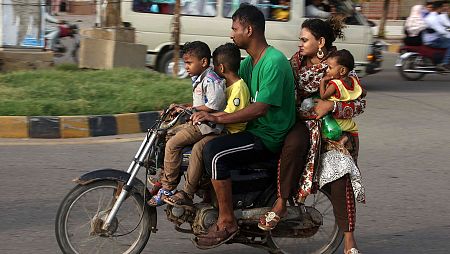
[66, 90]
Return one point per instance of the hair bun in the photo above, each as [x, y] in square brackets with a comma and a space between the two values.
[337, 25]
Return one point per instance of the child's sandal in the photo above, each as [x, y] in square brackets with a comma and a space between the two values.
[181, 198]
[158, 199]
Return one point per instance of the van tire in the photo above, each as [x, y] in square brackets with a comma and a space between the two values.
[165, 65]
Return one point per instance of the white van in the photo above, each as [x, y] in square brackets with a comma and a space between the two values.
[210, 22]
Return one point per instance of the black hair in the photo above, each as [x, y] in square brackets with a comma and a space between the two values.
[438, 4]
[198, 49]
[331, 29]
[344, 58]
[250, 15]
[229, 55]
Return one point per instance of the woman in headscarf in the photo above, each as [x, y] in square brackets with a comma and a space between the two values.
[414, 26]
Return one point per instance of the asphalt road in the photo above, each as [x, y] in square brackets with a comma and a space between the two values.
[404, 160]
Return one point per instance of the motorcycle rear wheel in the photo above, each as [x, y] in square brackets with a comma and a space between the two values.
[325, 241]
[411, 63]
[81, 213]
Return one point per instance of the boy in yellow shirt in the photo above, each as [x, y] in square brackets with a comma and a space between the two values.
[226, 60]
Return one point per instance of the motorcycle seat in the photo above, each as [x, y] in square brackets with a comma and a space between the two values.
[424, 50]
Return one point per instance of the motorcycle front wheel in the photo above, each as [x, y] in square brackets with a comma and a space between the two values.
[80, 217]
[323, 240]
[410, 64]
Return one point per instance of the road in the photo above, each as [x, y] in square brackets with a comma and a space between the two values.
[404, 160]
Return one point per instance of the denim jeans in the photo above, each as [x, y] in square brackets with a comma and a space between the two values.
[443, 43]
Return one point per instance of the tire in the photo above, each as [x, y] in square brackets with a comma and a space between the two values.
[322, 202]
[165, 65]
[78, 213]
[410, 63]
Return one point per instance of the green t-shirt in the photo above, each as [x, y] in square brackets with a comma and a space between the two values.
[271, 81]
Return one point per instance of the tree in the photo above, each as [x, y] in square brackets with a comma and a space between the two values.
[381, 30]
[176, 38]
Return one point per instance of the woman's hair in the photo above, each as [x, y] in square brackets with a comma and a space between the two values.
[228, 55]
[331, 29]
[198, 49]
[250, 15]
[344, 58]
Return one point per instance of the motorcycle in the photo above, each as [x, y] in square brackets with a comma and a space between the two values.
[65, 30]
[107, 211]
[416, 61]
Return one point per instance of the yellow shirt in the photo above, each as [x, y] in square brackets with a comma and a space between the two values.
[238, 97]
[344, 92]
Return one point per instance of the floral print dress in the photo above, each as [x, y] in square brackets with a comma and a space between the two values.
[326, 160]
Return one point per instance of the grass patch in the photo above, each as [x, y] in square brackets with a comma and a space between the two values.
[67, 90]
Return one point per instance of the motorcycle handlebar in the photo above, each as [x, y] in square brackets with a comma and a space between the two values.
[188, 112]
[209, 123]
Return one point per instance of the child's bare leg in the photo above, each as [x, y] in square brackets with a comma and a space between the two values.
[343, 139]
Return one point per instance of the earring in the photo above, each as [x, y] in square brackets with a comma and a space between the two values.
[320, 53]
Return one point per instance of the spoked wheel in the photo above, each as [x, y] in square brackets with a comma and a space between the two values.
[410, 64]
[81, 215]
[323, 239]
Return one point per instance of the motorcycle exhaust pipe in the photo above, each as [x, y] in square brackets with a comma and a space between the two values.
[420, 71]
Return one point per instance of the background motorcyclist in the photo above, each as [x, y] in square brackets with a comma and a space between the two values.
[414, 26]
[52, 31]
[444, 15]
[437, 35]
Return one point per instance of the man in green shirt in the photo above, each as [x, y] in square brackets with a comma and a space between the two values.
[271, 114]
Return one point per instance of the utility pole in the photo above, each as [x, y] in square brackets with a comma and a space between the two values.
[381, 30]
[176, 38]
[112, 14]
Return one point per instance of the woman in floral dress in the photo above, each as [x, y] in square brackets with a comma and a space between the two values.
[305, 152]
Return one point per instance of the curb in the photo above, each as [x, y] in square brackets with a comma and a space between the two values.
[393, 48]
[75, 126]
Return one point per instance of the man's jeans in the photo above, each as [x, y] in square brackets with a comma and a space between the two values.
[443, 43]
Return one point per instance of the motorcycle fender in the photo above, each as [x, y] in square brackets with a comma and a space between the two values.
[402, 58]
[120, 176]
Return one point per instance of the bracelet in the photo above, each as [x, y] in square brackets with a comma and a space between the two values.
[334, 106]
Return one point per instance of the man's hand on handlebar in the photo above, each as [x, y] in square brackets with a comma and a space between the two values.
[202, 116]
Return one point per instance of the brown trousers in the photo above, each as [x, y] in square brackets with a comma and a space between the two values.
[292, 163]
[185, 135]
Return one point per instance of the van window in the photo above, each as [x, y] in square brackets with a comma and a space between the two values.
[275, 10]
[204, 8]
[324, 9]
